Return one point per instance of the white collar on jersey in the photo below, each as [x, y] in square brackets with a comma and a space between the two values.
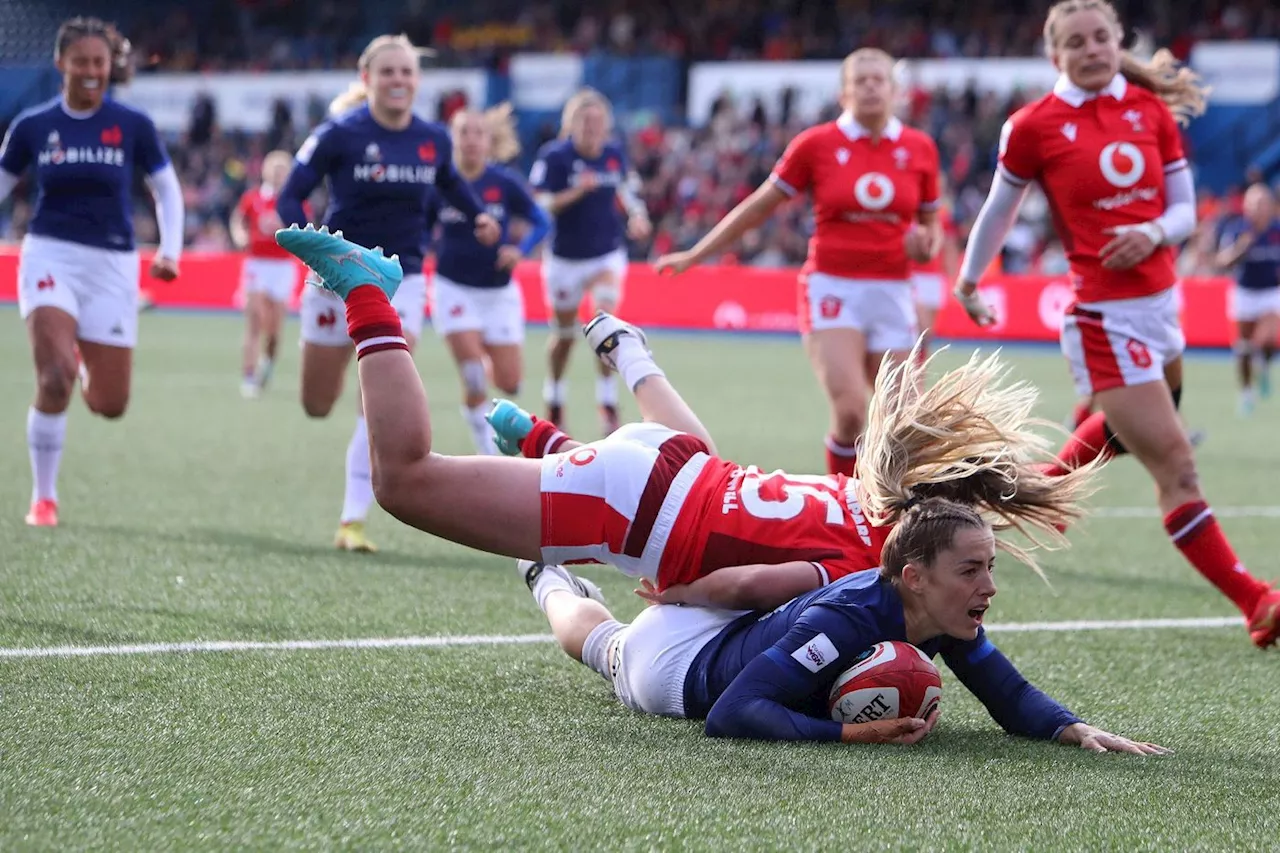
[854, 130]
[1072, 94]
[81, 114]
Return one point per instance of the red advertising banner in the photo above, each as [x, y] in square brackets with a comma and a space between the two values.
[730, 298]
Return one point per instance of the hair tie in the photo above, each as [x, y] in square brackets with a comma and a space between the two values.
[910, 502]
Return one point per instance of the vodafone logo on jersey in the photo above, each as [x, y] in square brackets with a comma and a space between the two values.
[1122, 164]
[873, 191]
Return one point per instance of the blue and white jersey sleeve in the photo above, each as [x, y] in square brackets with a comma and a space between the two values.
[1013, 702]
[315, 159]
[777, 694]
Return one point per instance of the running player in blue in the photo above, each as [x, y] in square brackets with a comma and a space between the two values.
[382, 163]
[475, 305]
[767, 675]
[1249, 246]
[78, 270]
[581, 179]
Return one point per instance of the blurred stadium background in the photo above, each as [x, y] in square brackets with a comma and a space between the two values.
[707, 95]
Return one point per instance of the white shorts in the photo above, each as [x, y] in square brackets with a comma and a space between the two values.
[276, 277]
[496, 312]
[324, 317]
[1245, 305]
[651, 656]
[99, 287]
[929, 289]
[884, 311]
[1121, 342]
[565, 280]
[615, 501]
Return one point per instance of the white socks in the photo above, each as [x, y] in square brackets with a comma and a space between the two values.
[45, 436]
[359, 492]
[635, 362]
[548, 582]
[481, 432]
[553, 392]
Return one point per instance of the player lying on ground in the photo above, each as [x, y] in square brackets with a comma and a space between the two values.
[655, 502]
[767, 676]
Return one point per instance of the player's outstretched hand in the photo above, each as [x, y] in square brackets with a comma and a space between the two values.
[674, 263]
[670, 595]
[904, 730]
[164, 269]
[488, 231]
[1130, 246]
[1096, 740]
[974, 305]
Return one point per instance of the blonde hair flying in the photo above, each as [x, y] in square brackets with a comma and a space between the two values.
[358, 93]
[1179, 87]
[968, 439]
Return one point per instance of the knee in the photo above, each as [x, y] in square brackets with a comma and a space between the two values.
[54, 383]
[1177, 471]
[316, 407]
[111, 409]
[849, 416]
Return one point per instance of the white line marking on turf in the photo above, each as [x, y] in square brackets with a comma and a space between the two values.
[1154, 512]
[1195, 623]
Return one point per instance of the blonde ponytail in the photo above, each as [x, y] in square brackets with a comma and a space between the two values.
[968, 439]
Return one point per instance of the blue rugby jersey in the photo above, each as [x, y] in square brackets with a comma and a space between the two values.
[460, 257]
[1259, 269]
[768, 676]
[592, 226]
[380, 182]
[84, 166]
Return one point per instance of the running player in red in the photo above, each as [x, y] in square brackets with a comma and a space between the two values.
[269, 274]
[872, 179]
[656, 503]
[1105, 148]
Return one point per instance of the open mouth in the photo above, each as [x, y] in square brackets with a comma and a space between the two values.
[977, 614]
[89, 84]
[398, 92]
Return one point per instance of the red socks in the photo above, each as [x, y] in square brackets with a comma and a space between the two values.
[841, 458]
[1087, 443]
[1081, 413]
[1195, 532]
[372, 323]
[544, 439]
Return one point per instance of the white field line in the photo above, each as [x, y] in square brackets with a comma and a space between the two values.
[527, 639]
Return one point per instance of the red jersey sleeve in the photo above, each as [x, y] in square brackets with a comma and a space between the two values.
[1019, 150]
[929, 181]
[794, 172]
[1172, 154]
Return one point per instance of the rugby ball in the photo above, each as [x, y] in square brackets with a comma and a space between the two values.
[887, 681]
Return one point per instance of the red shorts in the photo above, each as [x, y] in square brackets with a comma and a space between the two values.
[615, 501]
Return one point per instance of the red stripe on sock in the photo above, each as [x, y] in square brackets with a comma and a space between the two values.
[543, 439]
[370, 315]
[841, 458]
[1206, 547]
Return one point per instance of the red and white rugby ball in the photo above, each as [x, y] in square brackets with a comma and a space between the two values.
[890, 680]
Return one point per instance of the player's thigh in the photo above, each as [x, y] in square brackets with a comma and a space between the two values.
[891, 322]
[508, 366]
[323, 371]
[490, 503]
[1145, 421]
[1126, 343]
[564, 283]
[838, 356]
[110, 372]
